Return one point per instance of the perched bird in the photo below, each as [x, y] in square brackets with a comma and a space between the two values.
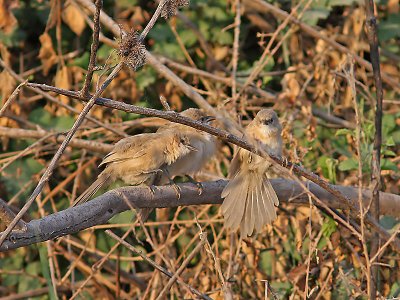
[137, 160]
[250, 199]
[205, 144]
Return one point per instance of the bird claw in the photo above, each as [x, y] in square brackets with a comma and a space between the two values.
[199, 185]
[152, 189]
[177, 190]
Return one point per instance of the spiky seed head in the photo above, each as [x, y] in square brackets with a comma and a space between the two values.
[171, 7]
[132, 50]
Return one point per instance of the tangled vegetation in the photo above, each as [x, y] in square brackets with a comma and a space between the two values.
[311, 66]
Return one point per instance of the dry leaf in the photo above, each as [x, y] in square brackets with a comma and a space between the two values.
[393, 6]
[72, 16]
[7, 19]
[7, 85]
[63, 81]
[220, 52]
[47, 55]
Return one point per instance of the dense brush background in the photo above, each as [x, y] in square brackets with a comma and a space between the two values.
[49, 42]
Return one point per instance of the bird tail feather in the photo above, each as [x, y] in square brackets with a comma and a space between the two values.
[249, 203]
[102, 180]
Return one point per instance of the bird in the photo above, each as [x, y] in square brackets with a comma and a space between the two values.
[138, 159]
[190, 164]
[249, 198]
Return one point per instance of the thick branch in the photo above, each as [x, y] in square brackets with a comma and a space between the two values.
[101, 209]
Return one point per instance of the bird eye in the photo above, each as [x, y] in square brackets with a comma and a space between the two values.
[268, 121]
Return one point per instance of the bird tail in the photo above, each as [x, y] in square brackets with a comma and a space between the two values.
[102, 179]
[249, 203]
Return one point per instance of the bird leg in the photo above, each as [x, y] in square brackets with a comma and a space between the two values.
[174, 185]
[199, 185]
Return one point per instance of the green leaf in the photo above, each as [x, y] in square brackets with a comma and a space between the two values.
[41, 117]
[387, 164]
[389, 28]
[44, 261]
[328, 166]
[311, 17]
[266, 262]
[388, 153]
[328, 227]
[348, 164]
[82, 61]
[390, 142]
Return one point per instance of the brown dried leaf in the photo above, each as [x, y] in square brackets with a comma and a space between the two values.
[220, 53]
[63, 81]
[5, 55]
[7, 19]
[7, 85]
[72, 16]
[47, 55]
[393, 6]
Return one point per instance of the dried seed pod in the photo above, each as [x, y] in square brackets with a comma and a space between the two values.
[132, 50]
[171, 7]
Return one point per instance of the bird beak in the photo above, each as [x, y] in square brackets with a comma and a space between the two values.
[192, 148]
[207, 119]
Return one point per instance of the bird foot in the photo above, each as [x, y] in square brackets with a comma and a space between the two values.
[199, 185]
[177, 189]
[152, 189]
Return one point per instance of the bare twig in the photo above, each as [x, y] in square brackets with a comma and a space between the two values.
[376, 153]
[7, 215]
[351, 82]
[12, 97]
[235, 56]
[153, 19]
[155, 265]
[184, 264]
[93, 48]
[59, 137]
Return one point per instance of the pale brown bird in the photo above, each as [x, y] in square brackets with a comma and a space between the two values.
[250, 199]
[137, 160]
[191, 163]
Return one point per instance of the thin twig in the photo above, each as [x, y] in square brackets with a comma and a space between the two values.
[93, 48]
[59, 138]
[153, 19]
[351, 82]
[12, 97]
[184, 264]
[235, 56]
[154, 264]
[376, 153]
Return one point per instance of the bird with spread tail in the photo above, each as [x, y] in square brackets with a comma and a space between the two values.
[138, 159]
[250, 199]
